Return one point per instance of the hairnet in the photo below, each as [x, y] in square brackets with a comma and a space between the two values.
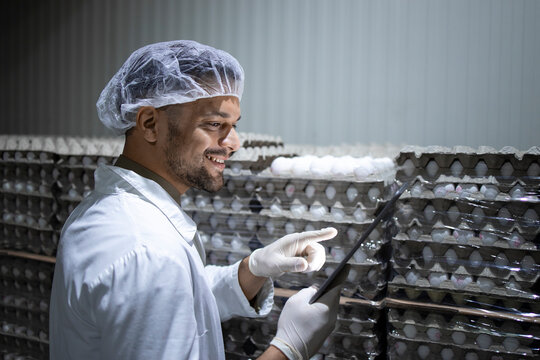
[166, 73]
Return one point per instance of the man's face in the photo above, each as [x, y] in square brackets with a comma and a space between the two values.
[200, 137]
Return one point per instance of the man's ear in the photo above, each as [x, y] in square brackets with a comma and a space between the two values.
[147, 123]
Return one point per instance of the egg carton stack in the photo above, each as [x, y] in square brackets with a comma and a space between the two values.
[78, 158]
[417, 334]
[469, 231]
[256, 207]
[28, 201]
[24, 307]
[354, 336]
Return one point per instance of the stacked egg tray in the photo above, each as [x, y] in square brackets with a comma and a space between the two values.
[78, 158]
[24, 306]
[28, 200]
[253, 209]
[422, 334]
[469, 237]
[234, 222]
[356, 335]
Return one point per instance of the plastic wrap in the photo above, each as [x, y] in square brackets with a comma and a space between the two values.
[468, 239]
[461, 253]
[24, 304]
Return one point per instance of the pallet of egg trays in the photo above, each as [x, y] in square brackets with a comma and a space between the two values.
[356, 335]
[78, 158]
[24, 305]
[448, 334]
[27, 164]
[469, 229]
[306, 193]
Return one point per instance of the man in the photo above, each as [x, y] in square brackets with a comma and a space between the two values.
[130, 280]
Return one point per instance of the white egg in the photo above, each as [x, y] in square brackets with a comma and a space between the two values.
[281, 166]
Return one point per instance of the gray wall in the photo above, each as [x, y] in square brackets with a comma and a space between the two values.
[442, 72]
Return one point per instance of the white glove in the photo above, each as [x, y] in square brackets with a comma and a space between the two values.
[302, 328]
[292, 253]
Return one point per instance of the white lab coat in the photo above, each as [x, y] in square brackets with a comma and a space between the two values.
[130, 284]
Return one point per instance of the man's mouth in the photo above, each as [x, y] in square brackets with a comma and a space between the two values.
[219, 161]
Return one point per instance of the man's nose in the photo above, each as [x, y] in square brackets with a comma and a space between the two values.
[231, 140]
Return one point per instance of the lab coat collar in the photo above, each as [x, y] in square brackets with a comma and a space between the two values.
[113, 179]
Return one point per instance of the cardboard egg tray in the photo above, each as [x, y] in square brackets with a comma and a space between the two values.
[280, 195]
[28, 210]
[459, 334]
[476, 190]
[350, 194]
[24, 178]
[267, 229]
[440, 233]
[459, 286]
[249, 140]
[16, 348]
[506, 165]
[487, 262]
[474, 297]
[24, 304]
[23, 238]
[503, 216]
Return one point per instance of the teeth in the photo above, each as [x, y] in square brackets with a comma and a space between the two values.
[216, 160]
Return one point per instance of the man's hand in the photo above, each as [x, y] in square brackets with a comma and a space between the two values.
[298, 252]
[302, 328]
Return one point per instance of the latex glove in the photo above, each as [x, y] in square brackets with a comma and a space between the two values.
[292, 253]
[302, 328]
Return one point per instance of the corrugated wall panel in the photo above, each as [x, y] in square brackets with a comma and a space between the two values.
[328, 72]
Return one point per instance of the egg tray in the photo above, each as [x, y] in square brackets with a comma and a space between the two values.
[29, 274]
[507, 165]
[480, 189]
[442, 234]
[27, 158]
[400, 348]
[28, 210]
[500, 336]
[22, 238]
[27, 331]
[256, 189]
[253, 231]
[79, 179]
[458, 284]
[350, 194]
[258, 140]
[19, 348]
[503, 216]
[463, 282]
[35, 179]
[365, 281]
[494, 301]
[522, 265]
[205, 202]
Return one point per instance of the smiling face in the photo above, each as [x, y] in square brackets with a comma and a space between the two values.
[200, 137]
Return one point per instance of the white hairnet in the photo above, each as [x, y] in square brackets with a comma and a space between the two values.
[166, 73]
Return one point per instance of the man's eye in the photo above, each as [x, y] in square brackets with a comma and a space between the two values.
[216, 124]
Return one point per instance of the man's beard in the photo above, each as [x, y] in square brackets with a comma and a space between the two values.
[193, 175]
